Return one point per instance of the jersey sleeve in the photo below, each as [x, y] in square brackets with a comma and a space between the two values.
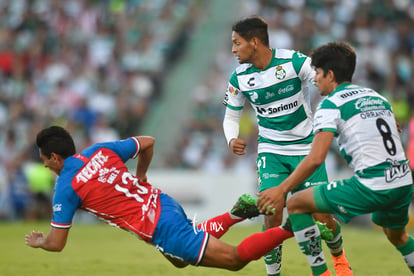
[126, 149]
[65, 203]
[302, 64]
[233, 98]
[326, 117]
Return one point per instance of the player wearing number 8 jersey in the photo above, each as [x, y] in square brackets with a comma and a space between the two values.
[98, 181]
[368, 138]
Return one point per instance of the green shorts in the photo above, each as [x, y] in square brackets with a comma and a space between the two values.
[273, 169]
[349, 198]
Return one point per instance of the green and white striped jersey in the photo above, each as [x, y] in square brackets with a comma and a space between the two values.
[280, 97]
[367, 135]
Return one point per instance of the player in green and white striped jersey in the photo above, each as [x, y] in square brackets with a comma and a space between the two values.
[279, 96]
[276, 83]
[367, 133]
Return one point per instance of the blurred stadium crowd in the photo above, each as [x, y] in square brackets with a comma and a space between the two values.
[93, 66]
[97, 66]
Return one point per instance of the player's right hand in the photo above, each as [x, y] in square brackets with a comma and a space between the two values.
[34, 239]
[238, 146]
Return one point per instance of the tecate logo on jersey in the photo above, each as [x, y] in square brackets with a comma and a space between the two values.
[93, 166]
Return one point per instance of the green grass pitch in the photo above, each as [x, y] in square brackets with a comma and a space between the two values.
[97, 249]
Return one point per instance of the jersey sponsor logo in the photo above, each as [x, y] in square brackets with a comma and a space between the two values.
[286, 89]
[251, 82]
[57, 207]
[350, 93]
[92, 167]
[309, 184]
[210, 227]
[280, 73]
[108, 175]
[270, 175]
[269, 95]
[273, 110]
[369, 103]
[253, 96]
[396, 170]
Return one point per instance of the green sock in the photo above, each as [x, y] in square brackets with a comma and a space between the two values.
[407, 250]
[309, 239]
[335, 245]
[273, 261]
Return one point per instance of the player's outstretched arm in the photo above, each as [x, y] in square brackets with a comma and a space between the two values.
[55, 240]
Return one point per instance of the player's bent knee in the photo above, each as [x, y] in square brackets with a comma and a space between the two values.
[292, 207]
[228, 259]
[236, 265]
[180, 265]
[177, 263]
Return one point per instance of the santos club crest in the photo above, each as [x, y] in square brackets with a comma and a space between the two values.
[280, 72]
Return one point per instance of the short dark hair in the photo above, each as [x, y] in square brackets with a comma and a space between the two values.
[339, 57]
[55, 139]
[250, 27]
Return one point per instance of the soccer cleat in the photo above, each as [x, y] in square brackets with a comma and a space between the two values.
[341, 265]
[245, 207]
[326, 233]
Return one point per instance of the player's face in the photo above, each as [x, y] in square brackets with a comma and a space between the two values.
[242, 49]
[53, 163]
[324, 82]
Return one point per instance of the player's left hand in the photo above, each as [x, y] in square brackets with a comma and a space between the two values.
[271, 199]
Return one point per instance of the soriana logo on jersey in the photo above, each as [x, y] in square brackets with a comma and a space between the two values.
[232, 90]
